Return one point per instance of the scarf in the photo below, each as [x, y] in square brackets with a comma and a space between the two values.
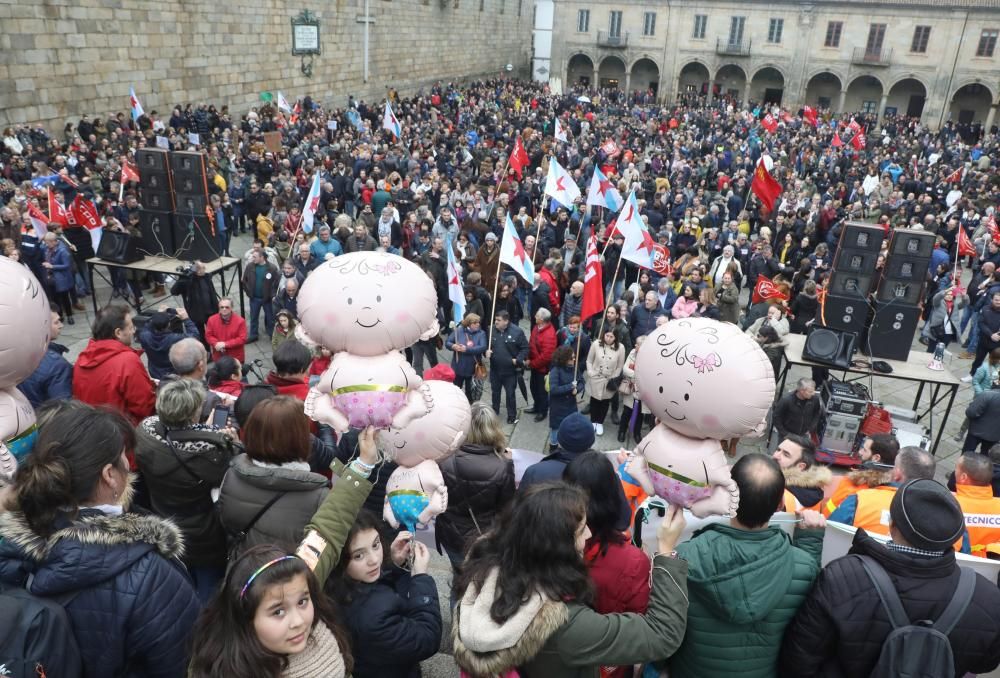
[320, 658]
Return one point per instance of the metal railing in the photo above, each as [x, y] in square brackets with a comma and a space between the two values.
[729, 48]
[606, 39]
[871, 57]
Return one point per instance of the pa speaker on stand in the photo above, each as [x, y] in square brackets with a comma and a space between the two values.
[830, 347]
[194, 238]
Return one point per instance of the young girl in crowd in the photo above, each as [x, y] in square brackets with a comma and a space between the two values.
[562, 390]
[319, 364]
[284, 329]
[393, 615]
[271, 618]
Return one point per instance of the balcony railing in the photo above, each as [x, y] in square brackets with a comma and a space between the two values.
[606, 39]
[729, 48]
[871, 57]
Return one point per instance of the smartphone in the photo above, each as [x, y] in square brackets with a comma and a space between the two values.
[220, 417]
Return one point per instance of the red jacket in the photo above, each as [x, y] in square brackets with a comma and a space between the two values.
[621, 584]
[289, 387]
[233, 333]
[541, 346]
[548, 278]
[110, 373]
[229, 387]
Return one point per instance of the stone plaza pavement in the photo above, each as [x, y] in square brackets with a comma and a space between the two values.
[530, 435]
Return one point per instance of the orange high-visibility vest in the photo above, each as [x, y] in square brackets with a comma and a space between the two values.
[845, 489]
[982, 516]
[872, 512]
[792, 504]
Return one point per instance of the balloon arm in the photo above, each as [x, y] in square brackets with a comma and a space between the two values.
[319, 407]
[389, 516]
[638, 469]
[418, 404]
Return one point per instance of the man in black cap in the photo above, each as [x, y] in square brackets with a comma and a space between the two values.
[165, 328]
[841, 627]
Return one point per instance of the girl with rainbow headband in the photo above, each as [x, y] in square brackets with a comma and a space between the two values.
[271, 618]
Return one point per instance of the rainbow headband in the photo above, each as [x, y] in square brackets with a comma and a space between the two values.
[261, 569]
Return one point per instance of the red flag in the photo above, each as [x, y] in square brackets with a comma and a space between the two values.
[765, 289]
[854, 126]
[809, 115]
[129, 171]
[836, 143]
[858, 141]
[955, 176]
[39, 220]
[769, 123]
[518, 158]
[57, 212]
[991, 226]
[593, 282]
[787, 117]
[85, 212]
[965, 246]
[765, 187]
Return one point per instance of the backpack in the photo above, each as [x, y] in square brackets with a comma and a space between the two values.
[918, 649]
[38, 639]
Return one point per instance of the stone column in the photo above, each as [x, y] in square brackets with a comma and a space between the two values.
[596, 82]
[711, 91]
[746, 94]
[842, 101]
[989, 118]
[881, 107]
[628, 82]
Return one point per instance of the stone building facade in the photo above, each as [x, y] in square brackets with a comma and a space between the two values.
[62, 58]
[938, 60]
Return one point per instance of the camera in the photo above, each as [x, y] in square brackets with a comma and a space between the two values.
[185, 269]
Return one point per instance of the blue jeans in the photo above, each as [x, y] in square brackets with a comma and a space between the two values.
[205, 579]
[553, 436]
[966, 317]
[974, 333]
[256, 305]
[224, 238]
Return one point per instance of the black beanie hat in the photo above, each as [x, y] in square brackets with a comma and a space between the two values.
[576, 433]
[927, 515]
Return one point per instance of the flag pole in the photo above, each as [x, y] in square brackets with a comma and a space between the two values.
[611, 293]
[499, 181]
[538, 230]
[496, 286]
[576, 360]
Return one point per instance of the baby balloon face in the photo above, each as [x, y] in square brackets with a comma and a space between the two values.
[367, 303]
[24, 323]
[704, 378]
[434, 435]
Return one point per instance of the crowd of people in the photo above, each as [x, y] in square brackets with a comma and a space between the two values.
[184, 544]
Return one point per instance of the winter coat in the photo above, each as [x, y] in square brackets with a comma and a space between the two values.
[603, 364]
[395, 624]
[806, 486]
[157, 347]
[51, 380]
[620, 576]
[939, 314]
[989, 324]
[511, 344]
[549, 469]
[794, 415]
[780, 328]
[233, 333]
[464, 364]
[839, 630]
[729, 304]
[564, 338]
[804, 307]
[268, 288]
[643, 321]
[183, 493]
[984, 377]
[134, 607]
[562, 400]
[108, 372]
[199, 295]
[744, 588]
[60, 277]
[684, 308]
[480, 483]
[984, 415]
[541, 346]
[556, 639]
[247, 486]
[486, 264]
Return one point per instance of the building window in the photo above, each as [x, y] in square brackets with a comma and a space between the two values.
[775, 29]
[519, 4]
[583, 21]
[649, 23]
[700, 23]
[482, 5]
[736, 26]
[868, 106]
[987, 43]
[833, 31]
[876, 37]
[615, 24]
[921, 34]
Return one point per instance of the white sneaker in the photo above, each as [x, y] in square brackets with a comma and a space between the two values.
[967, 378]
[599, 429]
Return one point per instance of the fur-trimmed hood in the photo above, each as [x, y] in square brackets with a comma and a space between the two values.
[870, 477]
[93, 548]
[484, 648]
[815, 477]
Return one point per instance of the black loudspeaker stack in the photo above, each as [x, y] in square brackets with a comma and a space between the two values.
[846, 307]
[900, 293]
[173, 192]
[120, 248]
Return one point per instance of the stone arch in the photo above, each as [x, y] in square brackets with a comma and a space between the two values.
[864, 93]
[767, 84]
[580, 70]
[823, 90]
[731, 81]
[772, 66]
[693, 78]
[611, 72]
[906, 96]
[974, 81]
[644, 74]
[970, 102]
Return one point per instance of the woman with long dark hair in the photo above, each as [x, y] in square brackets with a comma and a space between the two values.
[224, 376]
[526, 595]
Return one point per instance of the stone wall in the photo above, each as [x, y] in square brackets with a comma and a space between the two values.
[62, 58]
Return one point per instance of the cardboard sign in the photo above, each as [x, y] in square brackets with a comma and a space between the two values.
[272, 142]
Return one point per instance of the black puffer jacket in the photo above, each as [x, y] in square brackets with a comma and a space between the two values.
[840, 628]
[480, 481]
[134, 606]
[174, 490]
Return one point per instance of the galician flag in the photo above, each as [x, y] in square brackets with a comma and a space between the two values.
[312, 204]
[639, 247]
[456, 293]
[283, 103]
[512, 253]
[134, 104]
[390, 123]
[560, 133]
[559, 185]
[38, 220]
[603, 193]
